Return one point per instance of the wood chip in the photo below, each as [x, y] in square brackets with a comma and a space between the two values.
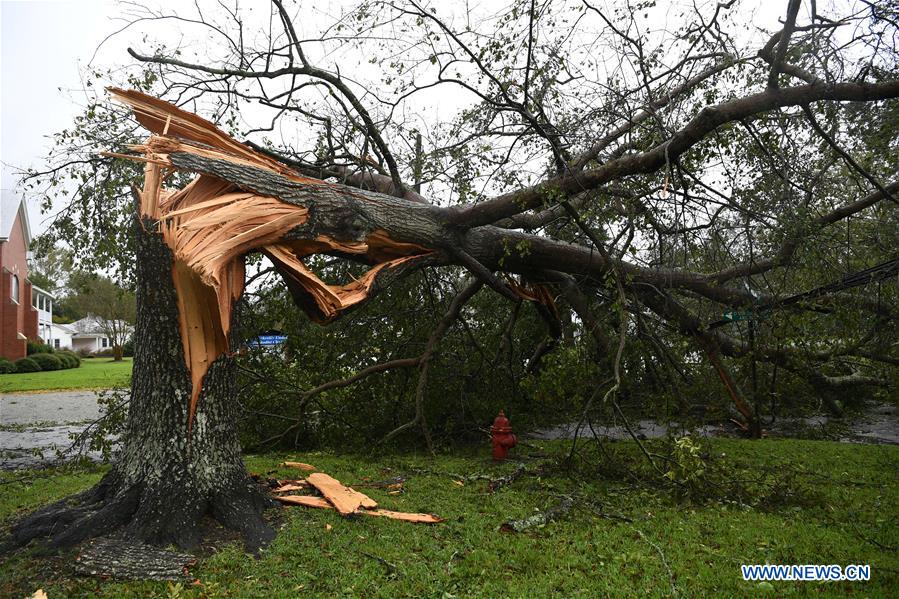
[345, 499]
[300, 465]
[286, 488]
[318, 502]
[306, 500]
[405, 516]
[292, 481]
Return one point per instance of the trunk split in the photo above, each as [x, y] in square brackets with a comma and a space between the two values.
[180, 459]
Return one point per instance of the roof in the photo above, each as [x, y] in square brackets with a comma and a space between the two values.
[90, 327]
[42, 291]
[11, 205]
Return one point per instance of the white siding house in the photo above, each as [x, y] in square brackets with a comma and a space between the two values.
[89, 337]
[42, 301]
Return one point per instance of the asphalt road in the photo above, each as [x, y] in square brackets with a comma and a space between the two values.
[34, 425]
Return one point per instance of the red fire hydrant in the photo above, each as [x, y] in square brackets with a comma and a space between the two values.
[502, 437]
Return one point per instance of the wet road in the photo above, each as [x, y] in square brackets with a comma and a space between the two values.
[33, 426]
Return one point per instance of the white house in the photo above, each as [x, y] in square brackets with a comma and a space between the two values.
[88, 335]
[62, 336]
[42, 301]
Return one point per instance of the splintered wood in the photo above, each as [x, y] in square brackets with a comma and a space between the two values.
[211, 224]
[300, 466]
[347, 501]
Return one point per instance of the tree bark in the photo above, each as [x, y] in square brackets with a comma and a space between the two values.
[165, 479]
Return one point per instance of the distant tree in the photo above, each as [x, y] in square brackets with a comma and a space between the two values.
[112, 307]
[49, 266]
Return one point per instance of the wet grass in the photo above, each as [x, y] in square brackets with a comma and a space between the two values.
[94, 373]
[802, 502]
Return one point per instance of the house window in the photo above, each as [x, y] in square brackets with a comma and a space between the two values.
[105, 342]
[15, 289]
[56, 343]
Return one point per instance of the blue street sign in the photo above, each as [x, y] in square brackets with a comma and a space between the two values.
[270, 340]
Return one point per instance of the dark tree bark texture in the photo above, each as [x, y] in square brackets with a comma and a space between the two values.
[166, 481]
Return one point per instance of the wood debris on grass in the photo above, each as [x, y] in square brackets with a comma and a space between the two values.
[290, 487]
[540, 519]
[347, 501]
[300, 466]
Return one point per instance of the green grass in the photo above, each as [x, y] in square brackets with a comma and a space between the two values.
[94, 373]
[838, 505]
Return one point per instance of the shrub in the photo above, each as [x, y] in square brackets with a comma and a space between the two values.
[85, 353]
[72, 355]
[34, 347]
[66, 360]
[128, 348]
[47, 361]
[106, 353]
[27, 365]
[6, 367]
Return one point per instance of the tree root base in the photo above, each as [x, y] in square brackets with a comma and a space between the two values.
[135, 518]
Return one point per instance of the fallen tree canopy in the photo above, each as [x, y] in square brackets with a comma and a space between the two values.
[243, 201]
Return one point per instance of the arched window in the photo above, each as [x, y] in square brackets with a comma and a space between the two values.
[15, 289]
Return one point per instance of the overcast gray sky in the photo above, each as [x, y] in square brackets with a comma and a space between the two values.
[47, 43]
[44, 46]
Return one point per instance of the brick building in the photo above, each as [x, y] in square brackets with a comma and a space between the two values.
[18, 318]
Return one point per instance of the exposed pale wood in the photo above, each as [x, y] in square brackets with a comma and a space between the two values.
[300, 465]
[405, 516]
[290, 487]
[318, 502]
[306, 500]
[345, 499]
[149, 203]
[211, 224]
[293, 481]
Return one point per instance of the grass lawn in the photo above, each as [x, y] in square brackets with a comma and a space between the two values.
[94, 373]
[819, 503]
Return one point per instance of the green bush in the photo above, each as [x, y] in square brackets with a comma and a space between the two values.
[6, 367]
[34, 348]
[67, 360]
[47, 361]
[71, 354]
[128, 348]
[106, 353]
[27, 365]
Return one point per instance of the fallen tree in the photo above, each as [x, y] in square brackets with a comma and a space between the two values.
[245, 198]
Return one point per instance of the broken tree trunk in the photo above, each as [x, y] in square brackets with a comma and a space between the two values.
[164, 482]
[180, 457]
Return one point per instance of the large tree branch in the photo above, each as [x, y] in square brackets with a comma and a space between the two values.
[708, 119]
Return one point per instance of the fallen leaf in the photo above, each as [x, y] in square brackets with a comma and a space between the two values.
[39, 594]
[328, 527]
